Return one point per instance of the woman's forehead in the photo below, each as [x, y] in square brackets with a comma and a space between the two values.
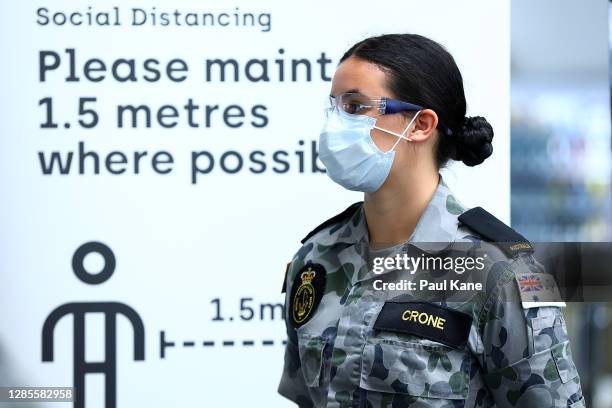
[358, 75]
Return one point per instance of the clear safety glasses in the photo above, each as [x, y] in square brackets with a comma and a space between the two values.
[356, 103]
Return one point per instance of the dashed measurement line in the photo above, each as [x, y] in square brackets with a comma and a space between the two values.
[164, 344]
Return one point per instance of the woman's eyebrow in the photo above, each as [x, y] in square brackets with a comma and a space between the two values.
[355, 90]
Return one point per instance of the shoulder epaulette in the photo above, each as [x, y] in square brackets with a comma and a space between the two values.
[492, 229]
[336, 218]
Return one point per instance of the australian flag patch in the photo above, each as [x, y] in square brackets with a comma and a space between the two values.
[538, 289]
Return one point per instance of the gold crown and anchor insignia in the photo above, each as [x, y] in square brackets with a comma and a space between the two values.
[307, 276]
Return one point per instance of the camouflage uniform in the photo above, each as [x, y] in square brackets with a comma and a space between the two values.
[517, 353]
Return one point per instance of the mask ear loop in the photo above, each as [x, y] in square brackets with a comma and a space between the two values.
[399, 137]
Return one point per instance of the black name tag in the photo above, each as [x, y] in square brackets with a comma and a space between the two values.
[428, 320]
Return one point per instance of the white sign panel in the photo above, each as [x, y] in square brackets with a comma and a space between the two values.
[158, 169]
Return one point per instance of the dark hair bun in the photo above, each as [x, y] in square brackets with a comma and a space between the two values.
[474, 140]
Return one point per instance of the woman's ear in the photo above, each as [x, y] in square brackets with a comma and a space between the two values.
[424, 126]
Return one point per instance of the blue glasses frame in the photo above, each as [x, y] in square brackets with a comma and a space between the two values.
[385, 106]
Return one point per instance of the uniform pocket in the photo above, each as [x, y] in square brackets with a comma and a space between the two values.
[547, 328]
[420, 369]
[578, 404]
[562, 355]
[315, 357]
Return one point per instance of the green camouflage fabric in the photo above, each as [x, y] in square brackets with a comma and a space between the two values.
[517, 354]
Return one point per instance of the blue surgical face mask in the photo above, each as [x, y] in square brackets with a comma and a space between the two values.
[349, 154]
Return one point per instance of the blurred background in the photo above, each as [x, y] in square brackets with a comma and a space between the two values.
[561, 151]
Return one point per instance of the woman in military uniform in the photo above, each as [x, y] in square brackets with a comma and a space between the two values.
[397, 115]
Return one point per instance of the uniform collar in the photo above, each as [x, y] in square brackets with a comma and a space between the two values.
[435, 231]
[437, 227]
